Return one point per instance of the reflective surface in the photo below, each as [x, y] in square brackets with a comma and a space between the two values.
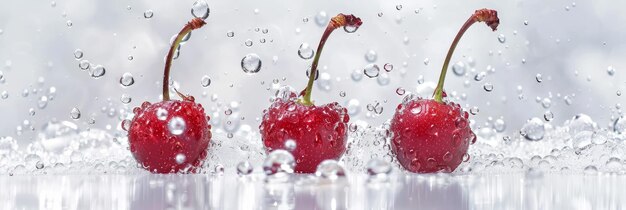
[532, 190]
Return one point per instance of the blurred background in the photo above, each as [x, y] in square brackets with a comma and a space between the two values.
[558, 57]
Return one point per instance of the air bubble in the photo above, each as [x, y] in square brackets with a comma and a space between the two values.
[75, 113]
[148, 14]
[205, 81]
[180, 158]
[251, 63]
[127, 79]
[200, 9]
[305, 51]
[244, 168]
[371, 70]
[388, 67]
[98, 71]
[459, 68]
[501, 38]
[330, 170]
[533, 130]
[488, 87]
[78, 54]
[176, 125]
[371, 56]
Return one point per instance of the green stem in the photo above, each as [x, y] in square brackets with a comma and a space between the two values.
[191, 25]
[306, 99]
[442, 77]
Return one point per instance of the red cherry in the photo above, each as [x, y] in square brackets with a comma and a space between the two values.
[428, 136]
[318, 131]
[432, 135]
[169, 136]
[172, 135]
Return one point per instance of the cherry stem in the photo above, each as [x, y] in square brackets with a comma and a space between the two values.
[490, 17]
[336, 22]
[191, 25]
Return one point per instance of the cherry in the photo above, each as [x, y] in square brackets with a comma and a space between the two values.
[172, 135]
[433, 135]
[319, 132]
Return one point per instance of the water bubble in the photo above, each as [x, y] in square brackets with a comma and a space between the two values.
[330, 170]
[610, 70]
[533, 130]
[350, 29]
[371, 70]
[84, 64]
[581, 123]
[127, 79]
[4, 94]
[244, 168]
[290, 145]
[480, 76]
[378, 170]
[230, 34]
[526, 22]
[383, 79]
[305, 51]
[39, 165]
[474, 110]
[548, 116]
[356, 75]
[148, 14]
[75, 113]
[317, 73]
[205, 81]
[539, 78]
[400, 91]
[426, 61]
[180, 158]
[619, 126]
[501, 38]
[342, 93]
[399, 6]
[590, 170]
[251, 63]
[78, 54]
[488, 87]
[125, 98]
[459, 68]
[248, 43]
[200, 9]
[388, 67]
[380, 14]
[278, 165]
[98, 71]
[321, 19]
[69, 23]
[161, 114]
[176, 125]
[371, 56]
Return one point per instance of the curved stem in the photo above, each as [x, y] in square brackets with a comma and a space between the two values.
[490, 17]
[306, 99]
[336, 22]
[191, 25]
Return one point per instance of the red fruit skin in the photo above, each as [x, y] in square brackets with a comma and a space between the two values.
[155, 147]
[319, 131]
[428, 136]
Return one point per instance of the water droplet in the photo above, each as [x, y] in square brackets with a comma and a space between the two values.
[474, 110]
[161, 114]
[127, 79]
[371, 70]
[176, 125]
[321, 19]
[244, 168]
[278, 165]
[399, 7]
[230, 34]
[125, 98]
[75, 113]
[388, 67]
[78, 54]
[416, 110]
[371, 56]
[533, 130]
[610, 70]
[488, 87]
[98, 71]
[378, 170]
[305, 51]
[39, 165]
[84, 64]
[180, 158]
[400, 91]
[459, 68]
[205, 81]
[480, 76]
[248, 43]
[148, 14]
[290, 145]
[350, 29]
[501, 38]
[548, 116]
[330, 170]
[200, 9]
[251, 63]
